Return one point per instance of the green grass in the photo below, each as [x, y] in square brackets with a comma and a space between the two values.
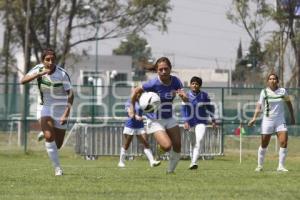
[31, 176]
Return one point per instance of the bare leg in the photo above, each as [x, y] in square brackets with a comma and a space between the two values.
[174, 134]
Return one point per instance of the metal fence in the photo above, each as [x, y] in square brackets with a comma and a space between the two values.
[93, 141]
[96, 105]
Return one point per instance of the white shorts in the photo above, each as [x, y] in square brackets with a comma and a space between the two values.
[38, 111]
[133, 131]
[55, 112]
[272, 125]
[154, 125]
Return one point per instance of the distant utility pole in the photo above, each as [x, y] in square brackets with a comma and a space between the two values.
[6, 54]
[26, 86]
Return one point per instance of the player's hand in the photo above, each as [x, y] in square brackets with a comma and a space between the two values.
[293, 121]
[131, 112]
[251, 122]
[63, 120]
[214, 125]
[45, 71]
[139, 118]
[182, 95]
[186, 126]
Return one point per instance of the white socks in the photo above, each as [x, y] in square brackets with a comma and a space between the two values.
[262, 152]
[149, 155]
[261, 155]
[282, 156]
[122, 155]
[51, 149]
[173, 161]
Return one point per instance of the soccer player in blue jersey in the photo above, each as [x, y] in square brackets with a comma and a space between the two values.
[56, 100]
[161, 123]
[135, 126]
[196, 114]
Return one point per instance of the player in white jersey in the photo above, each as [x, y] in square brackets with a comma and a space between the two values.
[56, 100]
[272, 100]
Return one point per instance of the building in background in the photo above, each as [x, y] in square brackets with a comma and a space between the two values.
[210, 77]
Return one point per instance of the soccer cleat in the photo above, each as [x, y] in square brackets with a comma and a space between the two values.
[58, 171]
[155, 163]
[259, 168]
[282, 169]
[40, 136]
[193, 166]
[170, 173]
[121, 164]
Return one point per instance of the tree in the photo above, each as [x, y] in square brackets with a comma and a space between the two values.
[66, 24]
[140, 51]
[246, 67]
[252, 15]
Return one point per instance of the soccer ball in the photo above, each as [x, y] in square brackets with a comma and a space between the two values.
[149, 102]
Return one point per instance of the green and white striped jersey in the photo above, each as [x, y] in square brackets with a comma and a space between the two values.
[273, 102]
[53, 88]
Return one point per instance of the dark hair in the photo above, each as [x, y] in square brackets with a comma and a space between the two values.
[273, 74]
[46, 52]
[163, 59]
[197, 80]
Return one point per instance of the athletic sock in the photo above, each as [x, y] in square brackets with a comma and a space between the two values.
[282, 156]
[149, 155]
[122, 155]
[173, 161]
[51, 149]
[261, 155]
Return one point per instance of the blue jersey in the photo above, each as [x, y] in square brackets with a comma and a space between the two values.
[166, 93]
[198, 109]
[132, 122]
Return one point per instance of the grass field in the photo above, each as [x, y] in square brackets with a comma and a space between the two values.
[30, 176]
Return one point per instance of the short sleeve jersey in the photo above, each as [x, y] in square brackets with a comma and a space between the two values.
[53, 87]
[131, 122]
[198, 109]
[273, 102]
[166, 93]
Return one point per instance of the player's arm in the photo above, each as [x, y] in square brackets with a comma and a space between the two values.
[256, 113]
[70, 100]
[29, 77]
[211, 111]
[182, 95]
[290, 107]
[185, 115]
[136, 93]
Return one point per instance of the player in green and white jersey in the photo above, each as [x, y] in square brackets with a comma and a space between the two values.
[56, 100]
[272, 101]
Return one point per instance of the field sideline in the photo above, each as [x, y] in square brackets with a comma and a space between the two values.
[31, 177]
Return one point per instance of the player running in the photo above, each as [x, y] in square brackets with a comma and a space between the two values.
[56, 100]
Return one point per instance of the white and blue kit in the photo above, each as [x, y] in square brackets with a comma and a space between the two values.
[198, 110]
[162, 119]
[196, 113]
[133, 126]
